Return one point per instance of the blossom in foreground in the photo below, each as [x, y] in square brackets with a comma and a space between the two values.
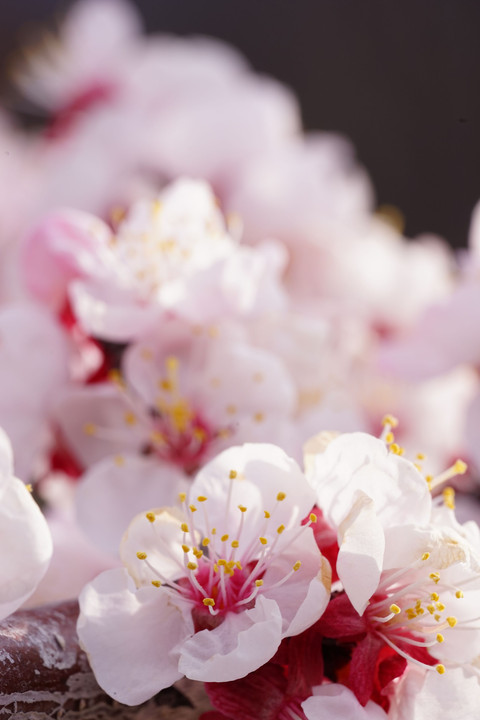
[334, 701]
[25, 542]
[208, 590]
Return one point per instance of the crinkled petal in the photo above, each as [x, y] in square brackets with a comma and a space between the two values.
[241, 644]
[335, 701]
[130, 637]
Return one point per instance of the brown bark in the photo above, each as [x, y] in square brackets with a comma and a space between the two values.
[44, 675]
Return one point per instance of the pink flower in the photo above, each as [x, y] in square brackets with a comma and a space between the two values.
[209, 590]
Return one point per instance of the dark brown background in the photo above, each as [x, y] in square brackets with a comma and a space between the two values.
[401, 79]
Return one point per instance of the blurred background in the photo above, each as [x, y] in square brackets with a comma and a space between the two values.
[400, 79]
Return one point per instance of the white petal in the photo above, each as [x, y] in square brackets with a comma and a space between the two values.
[130, 637]
[242, 643]
[362, 546]
[25, 546]
[335, 701]
[116, 489]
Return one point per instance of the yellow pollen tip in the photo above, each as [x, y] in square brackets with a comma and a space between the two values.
[198, 553]
[192, 508]
[89, 429]
[205, 542]
[263, 540]
[142, 555]
[425, 556]
[232, 474]
[459, 594]
[452, 621]
[396, 449]
[214, 531]
[389, 438]
[449, 498]
[119, 460]
[440, 606]
[281, 496]
[460, 467]
[434, 576]
[182, 497]
[313, 518]
[267, 514]
[130, 418]
[259, 583]
[297, 565]
[150, 516]
[420, 456]
[201, 498]
[224, 538]
[440, 669]
[242, 508]
[394, 609]
[390, 420]
[280, 529]
[184, 527]
[29, 487]
[156, 583]
[208, 602]
[440, 638]
[192, 566]
[235, 544]
[185, 548]
[434, 596]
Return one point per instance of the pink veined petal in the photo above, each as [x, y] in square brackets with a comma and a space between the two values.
[335, 701]
[362, 546]
[130, 636]
[241, 644]
[25, 546]
[116, 489]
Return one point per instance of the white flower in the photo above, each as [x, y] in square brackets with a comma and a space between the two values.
[210, 590]
[337, 702]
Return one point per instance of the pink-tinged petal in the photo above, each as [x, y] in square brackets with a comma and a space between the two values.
[262, 473]
[241, 644]
[25, 545]
[423, 695]
[130, 636]
[360, 557]
[97, 421]
[6, 458]
[472, 431]
[110, 311]
[117, 488]
[357, 461]
[334, 701]
[65, 245]
[303, 598]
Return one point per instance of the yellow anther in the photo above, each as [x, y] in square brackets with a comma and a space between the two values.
[242, 508]
[389, 438]
[431, 609]
[201, 498]
[280, 529]
[259, 417]
[205, 542]
[437, 617]
[231, 409]
[313, 518]
[394, 609]
[460, 467]
[297, 565]
[420, 456]
[214, 531]
[89, 429]
[259, 583]
[192, 508]
[390, 420]
[418, 466]
[434, 576]
[184, 527]
[434, 596]
[130, 418]
[156, 583]
[395, 448]
[234, 544]
[449, 498]
[222, 562]
[452, 621]
[459, 594]
[425, 556]
[142, 555]
[171, 363]
[185, 548]
[119, 460]
[263, 540]
[238, 565]
[150, 517]
[29, 487]
[182, 497]
[440, 606]
[429, 479]
[199, 434]
[192, 566]
[440, 638]
[440, 669]
[115, 376]
[165, 384]
[420, 611]
[209, 602]
[281, 496]
[410, 613]
[232, 474]
[198, 553]
[224, 538]
[266, 513]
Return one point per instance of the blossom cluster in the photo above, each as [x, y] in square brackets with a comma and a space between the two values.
[198, 299]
